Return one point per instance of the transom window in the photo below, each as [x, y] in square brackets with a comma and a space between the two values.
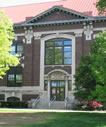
[15, 77]
[17, 48]
[58, 52]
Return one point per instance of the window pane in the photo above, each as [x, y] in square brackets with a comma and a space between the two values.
[53, 84]
[68, 42]
[58, 49]
[58, 55]
[19, 48]
[13, 50]
[49, 52]
[20, 53]
[18, 77]
[69, 85]
[67, 61]
[68, 48]
[11, 80]
[49, 61]
[58, 61]
[62, 84]
[67, 54]
[11, 77]
[45, 85]
[58, 43]
[49, 55]
[48, 44]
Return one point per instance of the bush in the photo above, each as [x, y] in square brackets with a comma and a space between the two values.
[13, 104]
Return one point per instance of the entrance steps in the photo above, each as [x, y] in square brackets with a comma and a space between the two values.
[55, 105]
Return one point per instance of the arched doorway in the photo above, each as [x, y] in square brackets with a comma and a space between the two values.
[58, 84]
[13, 99]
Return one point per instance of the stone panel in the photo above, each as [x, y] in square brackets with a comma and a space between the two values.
[27, 97]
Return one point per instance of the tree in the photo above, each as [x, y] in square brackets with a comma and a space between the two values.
[6, 38]
[98, 67]
[84, 79]
[90, 77]
[101, 6]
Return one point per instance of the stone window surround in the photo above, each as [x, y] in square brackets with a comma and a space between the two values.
[42, 64]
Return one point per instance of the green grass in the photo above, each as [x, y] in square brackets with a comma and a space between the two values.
[73, 120]
[68, 119]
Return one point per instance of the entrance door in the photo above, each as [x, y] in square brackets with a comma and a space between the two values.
[58, 90]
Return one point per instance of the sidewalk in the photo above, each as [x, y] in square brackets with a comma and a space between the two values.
[45, 110]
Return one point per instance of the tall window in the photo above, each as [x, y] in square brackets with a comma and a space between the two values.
[17, 47]
[58, 52]
[15, 77]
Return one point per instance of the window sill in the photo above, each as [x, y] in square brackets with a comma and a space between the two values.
[58, 65]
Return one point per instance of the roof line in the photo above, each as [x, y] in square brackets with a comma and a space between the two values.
[59, 22]
[61, 8]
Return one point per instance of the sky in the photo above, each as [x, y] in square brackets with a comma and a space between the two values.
[4, 3]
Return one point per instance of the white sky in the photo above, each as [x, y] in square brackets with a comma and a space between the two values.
[4, 3]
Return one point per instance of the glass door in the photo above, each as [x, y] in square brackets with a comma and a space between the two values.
[58, 90]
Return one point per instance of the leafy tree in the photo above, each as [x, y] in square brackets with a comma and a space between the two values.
[98, 55]
[101, 6]
[6, 38]
[90, 77]
[84, 79]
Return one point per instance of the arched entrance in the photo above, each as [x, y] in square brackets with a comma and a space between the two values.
[58, 84]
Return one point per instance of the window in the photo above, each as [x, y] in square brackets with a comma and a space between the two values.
[17, 47]
[69, 85]
[45, 85]
[58, 52]
[15, 77]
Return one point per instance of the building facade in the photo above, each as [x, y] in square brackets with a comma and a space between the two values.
[50, 46]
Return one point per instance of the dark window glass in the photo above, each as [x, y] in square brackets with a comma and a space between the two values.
[15, 77]
[17, 48]
[69, 85]
[58, 52]
[45, 85]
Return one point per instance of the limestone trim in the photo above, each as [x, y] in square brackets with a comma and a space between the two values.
[60, 31]
[28, 36]
[88, 31]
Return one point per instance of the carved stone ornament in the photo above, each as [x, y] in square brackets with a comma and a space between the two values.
[37, 36]
[57, 76]
[28, 36]
[78, 34]
[88, 31]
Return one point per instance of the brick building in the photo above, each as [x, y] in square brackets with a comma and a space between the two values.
[50, 45]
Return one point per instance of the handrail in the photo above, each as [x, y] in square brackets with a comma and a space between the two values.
[35, 102]
[67, 100]
[52, 101]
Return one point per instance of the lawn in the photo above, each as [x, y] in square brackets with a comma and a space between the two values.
[51, 119]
